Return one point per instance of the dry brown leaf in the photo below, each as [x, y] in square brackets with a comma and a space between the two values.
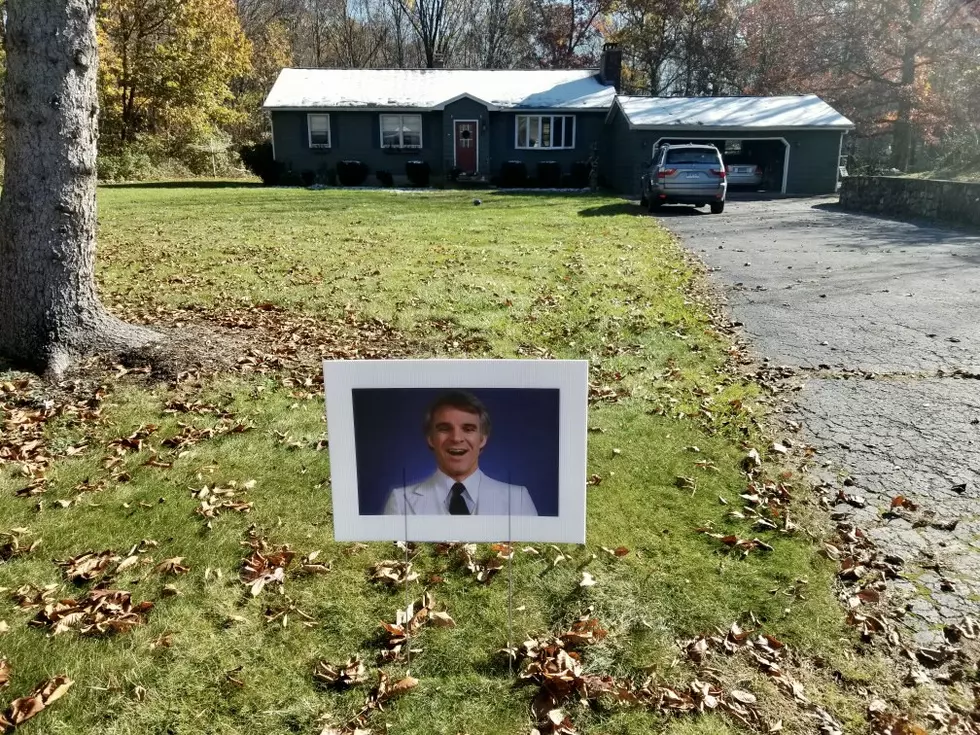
[173, 566]
[403, 687]
[4, 672]
[442, 620]
[342, 676]
[44, 695]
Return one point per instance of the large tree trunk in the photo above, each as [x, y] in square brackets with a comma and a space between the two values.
[49, 311]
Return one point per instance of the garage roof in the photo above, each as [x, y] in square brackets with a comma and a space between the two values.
[732, 113]
[433, 89]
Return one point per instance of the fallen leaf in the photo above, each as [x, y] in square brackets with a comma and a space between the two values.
[44, 695]
[172, 566]
[442, 620]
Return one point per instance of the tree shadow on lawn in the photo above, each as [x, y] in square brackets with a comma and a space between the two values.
[194, 184]
[612, 210]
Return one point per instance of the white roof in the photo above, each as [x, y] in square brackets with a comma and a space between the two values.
[800, 111]
[434, 88]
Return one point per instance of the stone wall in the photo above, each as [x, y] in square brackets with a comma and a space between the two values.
[949, 201]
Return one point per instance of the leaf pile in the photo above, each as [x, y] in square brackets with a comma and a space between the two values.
[265, 566]
[216, 500]
[26, 412]
[408, 622]
[483, 569]
[767, 506]
[770, 656]
[381, 695]
[734, 543]
[340, 676]
[95, 565]
[88, 566]
[189, 435]
[392, 572]
[100, 612]
[279, 342]
[555, 666]
[24, 708]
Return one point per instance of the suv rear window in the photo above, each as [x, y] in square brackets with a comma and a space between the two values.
[692, 155]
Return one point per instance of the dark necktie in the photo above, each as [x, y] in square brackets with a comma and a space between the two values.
[457, 506]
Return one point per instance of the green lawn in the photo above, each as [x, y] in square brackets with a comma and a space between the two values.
[294, 274]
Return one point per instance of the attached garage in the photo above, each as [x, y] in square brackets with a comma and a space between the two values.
[795, 141]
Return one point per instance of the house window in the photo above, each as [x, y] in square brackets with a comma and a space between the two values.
[545, 131]
[319, 130]
[401, 131]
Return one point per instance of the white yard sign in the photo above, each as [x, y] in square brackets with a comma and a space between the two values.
[457, 450]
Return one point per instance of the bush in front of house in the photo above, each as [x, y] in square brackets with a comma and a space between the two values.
[258, 159]
[308, 178]
[418, 172]
[352, 173]
[385, 178]
[580, 174]
[549, 174]
[513, 175]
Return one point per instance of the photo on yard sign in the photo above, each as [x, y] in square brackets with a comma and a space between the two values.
[457, 450]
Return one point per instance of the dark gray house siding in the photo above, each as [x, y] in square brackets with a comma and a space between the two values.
[813, 154]
[623, 152]
[589, 128]
[354, 135]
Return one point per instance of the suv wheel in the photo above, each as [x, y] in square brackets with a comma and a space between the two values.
[717, 207]
[654, 205]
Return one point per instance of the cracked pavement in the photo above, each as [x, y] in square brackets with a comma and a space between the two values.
[884, 317]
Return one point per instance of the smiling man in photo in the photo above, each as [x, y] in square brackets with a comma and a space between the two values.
[457, 427]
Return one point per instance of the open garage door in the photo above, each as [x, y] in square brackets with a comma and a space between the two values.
[770, 155]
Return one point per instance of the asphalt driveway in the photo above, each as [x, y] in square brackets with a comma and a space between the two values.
[883, 320]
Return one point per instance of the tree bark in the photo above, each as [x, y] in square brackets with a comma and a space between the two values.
[50, 313]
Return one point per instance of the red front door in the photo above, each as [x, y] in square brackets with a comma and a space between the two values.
[466, 146]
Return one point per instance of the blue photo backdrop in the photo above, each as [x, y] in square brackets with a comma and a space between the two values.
[391, 447]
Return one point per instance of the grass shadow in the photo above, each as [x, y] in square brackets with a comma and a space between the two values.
[184, 185]
[611, 210]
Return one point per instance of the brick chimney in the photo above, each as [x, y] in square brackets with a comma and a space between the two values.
[438, 60]
[611, 65]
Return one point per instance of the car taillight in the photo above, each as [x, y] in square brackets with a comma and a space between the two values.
[720, 173]
[665, 172]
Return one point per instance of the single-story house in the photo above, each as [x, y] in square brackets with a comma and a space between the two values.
[472, 122]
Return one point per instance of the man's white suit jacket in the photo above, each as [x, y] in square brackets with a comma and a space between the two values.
[429, 498]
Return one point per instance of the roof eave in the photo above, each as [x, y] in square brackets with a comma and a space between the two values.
[737, 128]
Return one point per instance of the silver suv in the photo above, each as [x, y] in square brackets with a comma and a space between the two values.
[685, 174]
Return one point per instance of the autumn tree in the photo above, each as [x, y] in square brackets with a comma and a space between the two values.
[167, 66]
[565, 33]
[271, 52]
[50, 313]
[891, 51]
[650, 34]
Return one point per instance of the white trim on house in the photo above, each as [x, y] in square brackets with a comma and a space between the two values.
[786, 149]
[400, 115]
[540, 117]
[476, 125]
[309, 130]
[466, 96]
